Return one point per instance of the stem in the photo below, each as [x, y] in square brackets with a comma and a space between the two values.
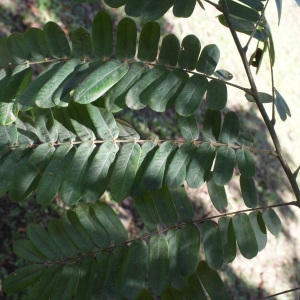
[261, 108]
[273, 87]
[281, 293]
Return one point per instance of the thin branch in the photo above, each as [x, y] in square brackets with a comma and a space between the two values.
[160, 231]
[217, 6]
[281, 293]
[248, 91]
[197, 143]
[256, 26]
[261, 108]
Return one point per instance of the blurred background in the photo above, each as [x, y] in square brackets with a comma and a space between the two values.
[277, 267]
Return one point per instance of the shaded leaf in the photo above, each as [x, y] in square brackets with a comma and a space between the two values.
[208, 59]
[228, 239]
[159, 274]
[272, 221]
[246, 162]
[82, 44]
[155, 9]
[259, 228]
[245, 235]
[193, 289]
[188, 249]
[224, 165]
[189, 52]
[169, 50]
[216, 97]
[188, 127]
[231, 128]
[124, 173]
[190, 97]
[200, 165]
[211, 125]
[183, 9]
[126, 131]
[246, 138]
[281, 106]
[264, 97]
[223, 74]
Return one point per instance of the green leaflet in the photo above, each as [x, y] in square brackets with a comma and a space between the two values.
[76, 231]
[224, 165]
[14, 83]
[8, 113]
[104, 260]
[25, 249]
[115, 97]
[177, 280]
[116, 273]
[183, 9]
[167, 91]
[199, 168]
[9, 166]
[281, 106]
[248, 191]
[99, 171]
[126, 131]
[57, 40]
[216, 97]
[82, 44]
[45, 125]
[54, 174]
[223, 75]
[109, 220]
[188, 127]
[26, 130]
[182, 203]
[124, 172]
[169, 50]
[255, 4]
[190, 49]
[165, 206]
[177, 169]
[211, 125]
[246, 162]
[100, 81]
[154, 9]
[212, 282]
[148, 42]
[134, 8]
[147, 211]
[78, 120]
[231, 128]
[228, 239]
[65, 130]
[126, 39]
[36, 43]
[102, 35]
[208, 59]
[5, 55]
[190, 97]
[67, 282]
[93, 228]
[29, 174]
[17, 47]
[134, 275]
[217, 195]
[138, 95]
[62, 239]
[154, 174]
[242, 11]
[272, 221]
[22, 278]
[8, 135]
[245, 235]
[259, 228]
[70, 190]
[193, 289]
[87, 273]
[212, 241]
[40, 238]
[188, 250]
[46, 284]
[104, 122]
[62, 94]
[148, 150]
[159, 273]
[245, 138]
[264, 97]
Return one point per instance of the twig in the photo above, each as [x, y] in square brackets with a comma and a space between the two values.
[261, 108]
[281, 293]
